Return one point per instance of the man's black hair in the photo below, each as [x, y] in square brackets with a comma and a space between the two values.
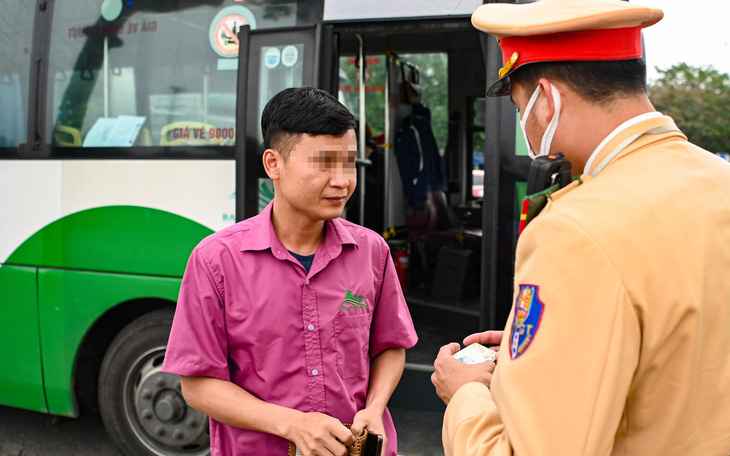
[302, 110]
[596, 81]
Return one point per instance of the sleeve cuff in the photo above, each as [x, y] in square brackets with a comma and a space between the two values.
[471, 422]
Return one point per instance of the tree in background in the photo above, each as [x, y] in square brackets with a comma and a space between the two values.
[698, 99]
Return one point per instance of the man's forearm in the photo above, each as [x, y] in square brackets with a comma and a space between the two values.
[230, 404]
[386, 370]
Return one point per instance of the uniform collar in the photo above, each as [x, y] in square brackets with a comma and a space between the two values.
[619, 141]
[261, 236]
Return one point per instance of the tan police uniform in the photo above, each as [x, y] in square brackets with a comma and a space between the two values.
[619, 340]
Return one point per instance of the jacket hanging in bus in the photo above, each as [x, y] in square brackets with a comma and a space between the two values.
[421, 165]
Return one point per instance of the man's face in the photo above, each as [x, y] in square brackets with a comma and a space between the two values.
[319, 176]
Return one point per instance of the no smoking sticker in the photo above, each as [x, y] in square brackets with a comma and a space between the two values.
[224, 28]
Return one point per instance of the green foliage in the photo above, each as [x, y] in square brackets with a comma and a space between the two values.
[698, 99]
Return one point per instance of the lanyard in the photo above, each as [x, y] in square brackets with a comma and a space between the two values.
[628, 141]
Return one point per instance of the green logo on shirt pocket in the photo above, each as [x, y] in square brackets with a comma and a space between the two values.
[353, 301]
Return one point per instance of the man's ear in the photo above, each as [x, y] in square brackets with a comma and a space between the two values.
[547, 90]
[272, 163]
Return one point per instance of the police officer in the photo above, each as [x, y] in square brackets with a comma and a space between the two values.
[619, 338]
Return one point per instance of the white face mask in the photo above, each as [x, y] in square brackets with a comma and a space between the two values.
[547, 138]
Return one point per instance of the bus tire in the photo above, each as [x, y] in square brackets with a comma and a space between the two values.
[142, 407]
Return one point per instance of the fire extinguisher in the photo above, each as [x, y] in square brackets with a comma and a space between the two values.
[402, 262]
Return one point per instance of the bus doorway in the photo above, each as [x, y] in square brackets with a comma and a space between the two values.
[424, 186]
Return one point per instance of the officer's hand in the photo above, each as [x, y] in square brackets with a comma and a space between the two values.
[317, 434]
[451, 374]
[372, 420]
[490, 339]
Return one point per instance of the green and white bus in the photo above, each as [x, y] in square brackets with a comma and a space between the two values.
[129, 131]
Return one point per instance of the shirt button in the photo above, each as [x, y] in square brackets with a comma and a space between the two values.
[307, 282]
[315, 372]
[311, 327]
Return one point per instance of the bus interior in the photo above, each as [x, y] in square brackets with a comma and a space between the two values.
[430, 206]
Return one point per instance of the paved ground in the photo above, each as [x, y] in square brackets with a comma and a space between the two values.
[24, 433]
[419, 432]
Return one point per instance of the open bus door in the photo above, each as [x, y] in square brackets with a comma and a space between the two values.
[506, 165]
[271, 61]
[456, 286]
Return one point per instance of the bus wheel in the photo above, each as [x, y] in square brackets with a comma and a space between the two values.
[142, 407]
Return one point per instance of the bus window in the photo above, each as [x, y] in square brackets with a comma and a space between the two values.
[280, 67]
[434, 88]
[435, 91]
[16, 31]
[149, 73]
[434, 95]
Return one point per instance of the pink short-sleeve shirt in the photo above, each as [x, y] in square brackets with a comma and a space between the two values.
[249, 313]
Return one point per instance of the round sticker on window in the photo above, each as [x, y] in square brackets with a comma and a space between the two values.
[272, 57]
[289, 56]
[111, 9]
[223, 31]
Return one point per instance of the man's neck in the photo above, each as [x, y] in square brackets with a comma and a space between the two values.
[298, 234]
[592, 123]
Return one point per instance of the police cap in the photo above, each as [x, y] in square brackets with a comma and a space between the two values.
[563, 30]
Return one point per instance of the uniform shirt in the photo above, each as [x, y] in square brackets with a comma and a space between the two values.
[621, 339]
[250, 313]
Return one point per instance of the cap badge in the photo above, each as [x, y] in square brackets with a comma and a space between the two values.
[508, 66]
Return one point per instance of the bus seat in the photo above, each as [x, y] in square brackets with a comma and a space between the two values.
[436, 222]
[66, 136]
[187, 133]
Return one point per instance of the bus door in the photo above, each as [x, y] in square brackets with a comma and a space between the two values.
[505, 165]
[269, 62]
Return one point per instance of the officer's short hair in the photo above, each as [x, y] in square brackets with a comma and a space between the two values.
[596, 81]
[302, 110]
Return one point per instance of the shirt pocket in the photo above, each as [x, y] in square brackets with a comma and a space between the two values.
[352, 340]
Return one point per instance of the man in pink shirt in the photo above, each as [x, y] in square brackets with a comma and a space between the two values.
[292, 322]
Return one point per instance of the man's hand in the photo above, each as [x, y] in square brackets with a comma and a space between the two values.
[451, 374]
[317, 434]
[372, 420]
[490, 339]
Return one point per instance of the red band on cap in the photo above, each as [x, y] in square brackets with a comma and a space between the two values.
[606, 44]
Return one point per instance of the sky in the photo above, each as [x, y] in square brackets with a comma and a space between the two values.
[695, 32]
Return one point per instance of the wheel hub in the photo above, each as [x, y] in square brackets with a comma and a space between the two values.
[162, 411]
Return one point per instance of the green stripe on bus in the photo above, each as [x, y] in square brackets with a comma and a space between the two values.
[121, 239]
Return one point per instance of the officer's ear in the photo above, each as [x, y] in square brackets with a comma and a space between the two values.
[547, 89]
[272, 163]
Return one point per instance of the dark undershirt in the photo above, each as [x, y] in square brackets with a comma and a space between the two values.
[306, 260]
